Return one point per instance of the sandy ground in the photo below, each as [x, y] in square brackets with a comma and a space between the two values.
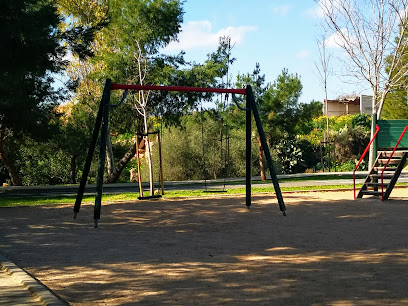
[329, 250]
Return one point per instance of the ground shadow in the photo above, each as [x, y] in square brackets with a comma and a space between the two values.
[215, 251]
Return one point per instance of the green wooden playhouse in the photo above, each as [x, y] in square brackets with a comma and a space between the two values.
[391, 148]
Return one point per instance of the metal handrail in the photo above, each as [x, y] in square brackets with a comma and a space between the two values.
[388, 161]
[377, 128]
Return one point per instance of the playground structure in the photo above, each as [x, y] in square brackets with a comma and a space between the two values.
[391, 149]
[101, 127]
[141, 148]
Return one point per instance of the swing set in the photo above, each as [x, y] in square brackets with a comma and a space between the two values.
[224, 145]
[101, 127]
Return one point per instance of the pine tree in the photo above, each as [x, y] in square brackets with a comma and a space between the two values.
[29, 55]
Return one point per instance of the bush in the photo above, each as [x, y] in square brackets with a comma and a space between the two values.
[350, 143]
[296, 156]
[362, 120]
[183, 150]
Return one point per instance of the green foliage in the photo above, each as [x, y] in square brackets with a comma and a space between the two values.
[135, 27]
[41, 163]
[277, 103]
[350, 135]
[289, 155]
[118, 35]
[350, 165]
[362, 120]
[395, 105]
[29, 53]
[296, 156]
[335, 123]
[351, 142]
[183, 149]
[307, 112]
[279, 106]
[82, 21]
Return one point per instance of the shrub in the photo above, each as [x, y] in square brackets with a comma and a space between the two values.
[362, 120]
[295, 156]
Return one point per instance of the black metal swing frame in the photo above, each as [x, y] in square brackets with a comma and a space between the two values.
[101, 127]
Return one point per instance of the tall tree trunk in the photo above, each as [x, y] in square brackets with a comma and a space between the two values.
[148, 154]
[110, 161]
[372, 151]
[112, 178]
[15, 178]
[261, 160]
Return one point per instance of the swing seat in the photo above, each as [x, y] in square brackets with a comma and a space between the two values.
[157, 196]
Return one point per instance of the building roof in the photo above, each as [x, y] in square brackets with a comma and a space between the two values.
[351, 100]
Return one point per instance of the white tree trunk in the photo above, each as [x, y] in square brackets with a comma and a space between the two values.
[148, 153]
[109, 155]
[373, 35]
[371, 153]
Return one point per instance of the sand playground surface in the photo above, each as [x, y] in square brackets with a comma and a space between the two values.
[328, 250]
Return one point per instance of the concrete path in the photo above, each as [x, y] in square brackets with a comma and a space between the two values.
[314, 179]
[19, 288]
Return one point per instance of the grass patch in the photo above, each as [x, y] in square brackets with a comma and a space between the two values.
[291, 179]
[57, 200]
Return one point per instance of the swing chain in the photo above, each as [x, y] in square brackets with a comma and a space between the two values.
[124, 95]
[234, 98]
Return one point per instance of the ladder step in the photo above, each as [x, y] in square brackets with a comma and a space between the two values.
[388, 153]
[393, 161]
[378, 176]
[371, 192]
[376, 185]
[373, 184]
[388, 169]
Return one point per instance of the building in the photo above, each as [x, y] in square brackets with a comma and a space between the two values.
[349, 106]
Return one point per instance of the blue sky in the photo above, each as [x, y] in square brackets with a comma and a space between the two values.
[276, 33]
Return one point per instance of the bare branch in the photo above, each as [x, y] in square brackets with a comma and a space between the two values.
[367, 30]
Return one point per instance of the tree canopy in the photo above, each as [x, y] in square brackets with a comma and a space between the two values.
[30, 53]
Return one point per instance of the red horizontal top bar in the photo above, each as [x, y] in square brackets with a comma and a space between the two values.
[178, 88]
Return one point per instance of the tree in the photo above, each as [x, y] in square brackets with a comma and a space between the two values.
[323, 71]
[365, 30]
[136, 32]
[280, 106]
[307, 112]
[277, 104]
[396, 105]
[127, 32]
[170, 107]
[30, 53]
[73, 135]
[257, 82]
[140, 102]
[82, 21]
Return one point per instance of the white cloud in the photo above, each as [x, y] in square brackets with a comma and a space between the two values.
[318, 12]
[335, 40]
[303, 54]
[281, 10]
[199, 34]
[314, 12]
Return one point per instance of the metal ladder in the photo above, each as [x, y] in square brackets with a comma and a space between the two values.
[384, 174]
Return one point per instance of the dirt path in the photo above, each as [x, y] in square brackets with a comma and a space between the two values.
[329, 250]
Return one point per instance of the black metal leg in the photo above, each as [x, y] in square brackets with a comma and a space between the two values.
[248, 121]
[251, 100]
[89, 157]
[102, 154]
